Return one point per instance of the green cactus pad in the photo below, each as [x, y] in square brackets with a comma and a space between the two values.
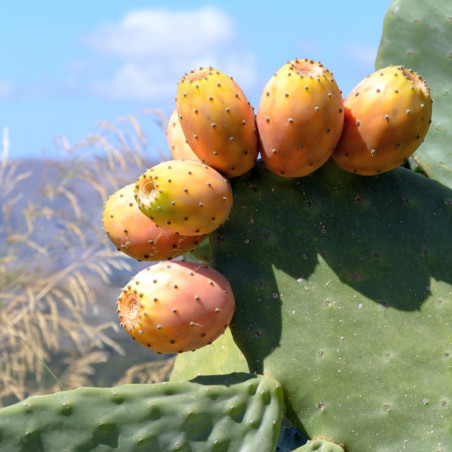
[319, 445]
[222, 356]
[418, 35]
[201, 254]
[343, 294]
[211, 413]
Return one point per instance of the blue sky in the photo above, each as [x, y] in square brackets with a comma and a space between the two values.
[65, 66]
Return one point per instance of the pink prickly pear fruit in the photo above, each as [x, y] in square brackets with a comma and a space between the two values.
[218, 121]
[185, 197]
[176, 307]
[299, 118]
[179, 148]
[136, 235]
[387, 116]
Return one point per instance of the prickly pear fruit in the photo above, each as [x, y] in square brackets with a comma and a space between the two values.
[136, 235]
[387, 116]
[185, 197]
[179, 148]
[299, 118]
[175, 307]
[218, 121]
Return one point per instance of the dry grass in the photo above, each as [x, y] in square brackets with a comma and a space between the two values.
[53, 256]
[150, 372]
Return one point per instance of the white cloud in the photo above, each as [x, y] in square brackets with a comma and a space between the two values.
[6, 88]
[155, 32]
[150, 49]
[137, 81]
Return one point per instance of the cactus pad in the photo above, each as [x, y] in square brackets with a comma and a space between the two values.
[212, 413]
[220, 357]
[343, 294]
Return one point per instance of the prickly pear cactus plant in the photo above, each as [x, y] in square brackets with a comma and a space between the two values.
[418, 34]
[341, 284]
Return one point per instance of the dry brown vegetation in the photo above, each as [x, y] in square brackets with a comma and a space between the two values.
[56, 264]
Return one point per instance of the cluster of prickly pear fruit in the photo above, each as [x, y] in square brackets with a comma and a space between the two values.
[302, 120]
[167, 212]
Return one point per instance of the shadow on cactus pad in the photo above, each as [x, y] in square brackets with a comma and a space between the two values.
[342, 287]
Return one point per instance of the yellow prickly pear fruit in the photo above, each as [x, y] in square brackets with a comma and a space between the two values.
[387, 116]
[218, 121]
[299, 118]
[185, 197]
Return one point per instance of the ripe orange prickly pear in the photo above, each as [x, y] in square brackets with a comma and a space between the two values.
[299, 118]
[218, 121]
[136, 235]
[176, 307]
[387, 116]
[179, 148]
[185, 197]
